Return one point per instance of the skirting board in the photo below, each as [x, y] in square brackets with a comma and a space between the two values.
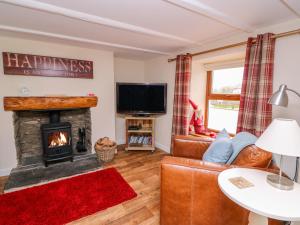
[5, 172]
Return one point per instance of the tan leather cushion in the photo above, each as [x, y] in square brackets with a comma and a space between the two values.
[253, 156]
[190, 147]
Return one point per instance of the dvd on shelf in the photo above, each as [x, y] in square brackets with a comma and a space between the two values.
[140, 140]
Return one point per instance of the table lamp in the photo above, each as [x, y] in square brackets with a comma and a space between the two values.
[281, 137]
[280, 98]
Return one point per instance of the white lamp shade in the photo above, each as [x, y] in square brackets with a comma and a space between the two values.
[281, 137]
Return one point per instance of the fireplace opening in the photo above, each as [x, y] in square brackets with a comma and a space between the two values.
[56, 139]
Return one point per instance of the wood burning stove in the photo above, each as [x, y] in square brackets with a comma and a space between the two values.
[56, 139]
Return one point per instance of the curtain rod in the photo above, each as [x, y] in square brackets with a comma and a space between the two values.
[285, 34]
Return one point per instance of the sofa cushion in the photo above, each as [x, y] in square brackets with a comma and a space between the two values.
[252, 156]
[190, 146]
[239, 142]
[220, 150]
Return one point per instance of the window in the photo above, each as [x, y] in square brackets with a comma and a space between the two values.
[223, 98]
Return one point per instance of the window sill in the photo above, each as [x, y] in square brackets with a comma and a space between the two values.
[217, 131]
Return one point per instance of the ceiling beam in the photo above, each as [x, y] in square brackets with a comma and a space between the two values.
[77, 39]
[292, 6]
[49, 8]
[200, 8]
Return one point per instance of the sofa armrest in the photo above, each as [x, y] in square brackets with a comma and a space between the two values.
[194, 164]
[190, 147]
[190, 194]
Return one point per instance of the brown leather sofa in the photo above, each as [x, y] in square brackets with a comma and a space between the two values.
[190, 194]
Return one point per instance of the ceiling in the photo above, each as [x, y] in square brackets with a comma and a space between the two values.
[140, 28]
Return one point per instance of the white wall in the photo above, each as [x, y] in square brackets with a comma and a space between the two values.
[103, 116]
[159, 70]
[286, 71]
[198, 85]
[126, 70]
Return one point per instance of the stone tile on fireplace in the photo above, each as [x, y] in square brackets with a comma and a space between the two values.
[38, 173]
[28, 139]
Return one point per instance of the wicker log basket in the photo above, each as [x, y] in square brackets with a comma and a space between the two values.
[105, 149]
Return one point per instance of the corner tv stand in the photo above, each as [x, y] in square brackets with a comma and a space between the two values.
[140, 133]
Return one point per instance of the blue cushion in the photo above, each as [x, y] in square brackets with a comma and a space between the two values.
[239, 142]
[220, 150]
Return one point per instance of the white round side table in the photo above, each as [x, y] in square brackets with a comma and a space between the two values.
[261, 198]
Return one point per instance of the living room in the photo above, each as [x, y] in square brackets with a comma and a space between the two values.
[69, 62]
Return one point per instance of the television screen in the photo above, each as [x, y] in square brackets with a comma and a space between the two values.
[141, 98]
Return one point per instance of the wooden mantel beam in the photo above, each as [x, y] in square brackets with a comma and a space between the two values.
[48, 103]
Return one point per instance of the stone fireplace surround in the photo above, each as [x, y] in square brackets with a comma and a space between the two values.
[27, 127]
[29, 113]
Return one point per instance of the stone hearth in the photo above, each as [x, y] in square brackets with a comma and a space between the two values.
[38, 173]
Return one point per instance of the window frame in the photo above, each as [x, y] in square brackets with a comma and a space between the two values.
[212, 96]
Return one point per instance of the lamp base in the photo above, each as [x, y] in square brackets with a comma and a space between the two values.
[280, 182]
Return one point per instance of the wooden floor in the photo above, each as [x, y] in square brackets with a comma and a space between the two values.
[141, 170]
[2, 183]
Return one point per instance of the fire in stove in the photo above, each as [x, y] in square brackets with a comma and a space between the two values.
[57, 139]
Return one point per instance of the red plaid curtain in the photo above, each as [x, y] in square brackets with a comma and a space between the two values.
[181, 95]
[255, 114]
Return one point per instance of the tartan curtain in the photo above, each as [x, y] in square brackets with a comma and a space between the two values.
[255, 114]
[181, 95]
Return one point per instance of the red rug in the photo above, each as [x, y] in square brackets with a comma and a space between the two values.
[65, 200]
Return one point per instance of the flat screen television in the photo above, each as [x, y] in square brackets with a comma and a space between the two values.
[136, 98]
